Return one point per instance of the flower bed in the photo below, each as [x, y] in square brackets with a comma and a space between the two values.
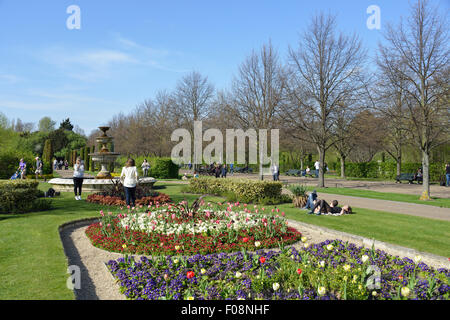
[329, 270]
[175, 229]
[118, 201]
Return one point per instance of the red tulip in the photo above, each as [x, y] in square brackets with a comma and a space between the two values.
[190, 274]
[262, 259]
[245, 239]
[299, 271]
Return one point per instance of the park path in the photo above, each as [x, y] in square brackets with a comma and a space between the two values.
[412, 209]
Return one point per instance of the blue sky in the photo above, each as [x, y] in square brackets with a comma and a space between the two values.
[126, 51]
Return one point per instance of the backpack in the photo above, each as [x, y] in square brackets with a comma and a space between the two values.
[50, 193]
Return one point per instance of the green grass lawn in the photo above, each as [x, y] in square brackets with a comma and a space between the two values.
[33, 264]
[437, 202]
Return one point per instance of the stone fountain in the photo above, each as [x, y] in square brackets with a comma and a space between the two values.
[104, 156]
[104, 178]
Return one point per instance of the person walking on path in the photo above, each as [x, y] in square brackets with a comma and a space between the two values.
[231, 168]
[145, 167]
[447, 174]
[275, 172]
[78, 175]
[22, 169]
[224, 171]
[39, 167]
[317, 167]
[129, 176]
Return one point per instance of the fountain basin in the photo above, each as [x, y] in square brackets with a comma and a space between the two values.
[92, 185]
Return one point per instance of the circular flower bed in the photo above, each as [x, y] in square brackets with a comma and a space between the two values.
[177, 229]
[329, 270]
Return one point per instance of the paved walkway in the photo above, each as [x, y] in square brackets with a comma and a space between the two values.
[413, 209]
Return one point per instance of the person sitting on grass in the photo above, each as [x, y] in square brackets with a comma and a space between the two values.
[310, 202]
[322, 207]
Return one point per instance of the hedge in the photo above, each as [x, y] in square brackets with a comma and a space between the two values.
[164, 168]
[20, 196]
[387, 170]
[9, 160]
[249, 191]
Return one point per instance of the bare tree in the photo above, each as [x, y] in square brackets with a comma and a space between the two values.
[258, 91]
[193, 97]
[344, 134]
[422, 46]
[368, 133]
[391, 101]
[325, 70]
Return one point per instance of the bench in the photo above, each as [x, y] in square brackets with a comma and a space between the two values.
[311, 174]
[294, 172]
[406, 177]
[243, 170]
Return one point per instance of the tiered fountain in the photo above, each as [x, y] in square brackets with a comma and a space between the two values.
[104, 157]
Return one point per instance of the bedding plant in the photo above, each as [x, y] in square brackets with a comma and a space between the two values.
[331, 270]
[167, 229]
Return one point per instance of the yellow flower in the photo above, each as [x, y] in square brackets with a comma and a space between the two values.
[345, 278]
[405, 291]
[177, 248]
[304, 239]
[124, 246]
[347, 267]
[203, 271]
[190, 298]
[374, 293]
[321, 291]
[176, 261]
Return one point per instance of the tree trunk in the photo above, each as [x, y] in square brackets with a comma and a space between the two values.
[342, 167]
[426, 175]
[399, 163]
[321, 183]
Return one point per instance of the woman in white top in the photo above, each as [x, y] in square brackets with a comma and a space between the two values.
[78, 174]
[129, 176]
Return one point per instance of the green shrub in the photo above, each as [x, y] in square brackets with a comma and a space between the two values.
[9, 160]
[249, 191]
[387, 170]
[298, 190]
[20, 196]
[163, 168]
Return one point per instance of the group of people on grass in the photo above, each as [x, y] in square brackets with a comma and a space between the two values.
[321, 207]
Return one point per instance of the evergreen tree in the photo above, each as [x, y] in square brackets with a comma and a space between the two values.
[47, 154]
[66, 125]
[87, 158]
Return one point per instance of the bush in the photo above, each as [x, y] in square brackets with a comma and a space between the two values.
[387, 170]
[164, 168]
[298, 190]
[9, 160]
[248, 191]
[20, 196]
